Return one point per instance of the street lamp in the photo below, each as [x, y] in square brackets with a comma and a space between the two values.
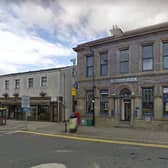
[93, 89]
[73, 84]
[113, 112]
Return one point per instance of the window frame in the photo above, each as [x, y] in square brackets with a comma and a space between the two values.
[89, 101]
[122, 61]
[147, 58]
[165, 101]
[148, 103]
[164, 55]
[103, 63]
[7, 84]
[42, 81]
[104, 93]
[89, 67]
[17, 83]
[30, 86]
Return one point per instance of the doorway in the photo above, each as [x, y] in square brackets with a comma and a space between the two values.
[126, 110]
[125, 105]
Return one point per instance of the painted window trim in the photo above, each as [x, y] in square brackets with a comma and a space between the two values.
[104, 64]
[145, 45]
[143, 115]
[6, 88]
[46, 82]
[107, 94]
[163, 56]
[28, 83]
[163, 108]
[19, 82]
[127, 61]
[88, 67]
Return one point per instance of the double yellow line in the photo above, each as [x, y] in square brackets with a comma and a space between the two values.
[79, 138]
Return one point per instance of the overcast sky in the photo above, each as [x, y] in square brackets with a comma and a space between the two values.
[40, 34]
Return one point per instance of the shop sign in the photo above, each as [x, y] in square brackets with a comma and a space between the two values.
[124, 80]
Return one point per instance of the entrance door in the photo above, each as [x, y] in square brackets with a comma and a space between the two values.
[126, 110]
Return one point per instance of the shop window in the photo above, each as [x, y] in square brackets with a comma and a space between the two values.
[89, 104]
[44, 113]
[103, 64]
[147, 58]
[104, 102]
[165, 101]
[147, 101]
[124, 61]
[89, 66]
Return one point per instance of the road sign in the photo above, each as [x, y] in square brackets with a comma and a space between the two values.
[25, 102]
[26, 109]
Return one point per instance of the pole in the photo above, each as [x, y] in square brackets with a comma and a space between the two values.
[73, 84]
[93, 89]
[65, 120]
[64, 98]
[58, 108]
[73, 104]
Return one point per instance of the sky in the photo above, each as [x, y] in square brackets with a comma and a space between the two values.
[40, 34]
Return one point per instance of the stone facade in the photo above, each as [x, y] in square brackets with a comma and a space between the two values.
[128, 93]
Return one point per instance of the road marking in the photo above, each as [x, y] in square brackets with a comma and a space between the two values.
[2, 133]
[50, 165]
[63, 151]
[95, 165]
[97, 140]
[10, 132]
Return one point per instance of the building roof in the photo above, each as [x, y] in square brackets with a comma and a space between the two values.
[126, 35]
[37, 71]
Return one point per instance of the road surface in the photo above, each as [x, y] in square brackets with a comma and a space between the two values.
[19, 150]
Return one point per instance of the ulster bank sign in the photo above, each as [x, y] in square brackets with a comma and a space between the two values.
[124, 80]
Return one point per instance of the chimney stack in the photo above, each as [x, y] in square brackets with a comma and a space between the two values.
[116, 31]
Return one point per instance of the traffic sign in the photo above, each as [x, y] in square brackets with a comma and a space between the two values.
[26, 109]
[25, 102]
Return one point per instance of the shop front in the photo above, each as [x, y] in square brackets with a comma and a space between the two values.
[41, 109]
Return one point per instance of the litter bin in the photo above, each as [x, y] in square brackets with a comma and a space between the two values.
[89, 122]
[73, 123]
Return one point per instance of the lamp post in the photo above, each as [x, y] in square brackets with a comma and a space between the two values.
[93, 89]
[113, 112]
[73, 85]
[93, 110]
[133, 107]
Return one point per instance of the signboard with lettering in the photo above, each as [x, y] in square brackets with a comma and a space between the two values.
[25, 102]
[124, 80]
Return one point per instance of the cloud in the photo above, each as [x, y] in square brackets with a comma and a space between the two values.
[29, 50]
[39, 33]
[75, 21]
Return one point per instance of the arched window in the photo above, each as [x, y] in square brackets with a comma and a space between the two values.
[125, 93]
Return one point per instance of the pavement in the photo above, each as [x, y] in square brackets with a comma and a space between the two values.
[118, 134]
